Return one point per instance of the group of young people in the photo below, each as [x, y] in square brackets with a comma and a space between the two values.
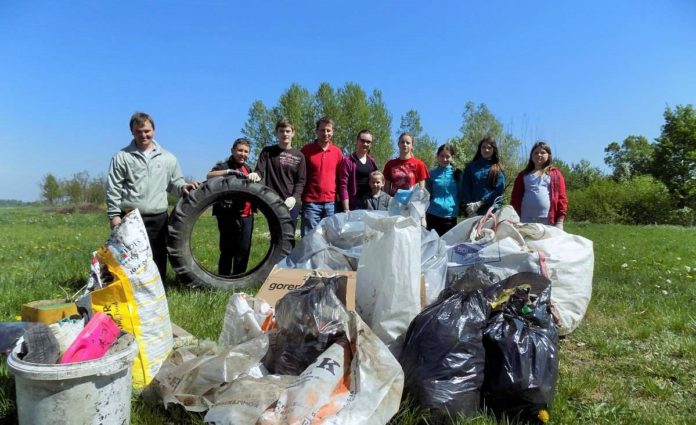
[317, 181]
[538, 194]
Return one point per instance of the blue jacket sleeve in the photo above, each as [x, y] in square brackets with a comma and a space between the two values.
[490, 195]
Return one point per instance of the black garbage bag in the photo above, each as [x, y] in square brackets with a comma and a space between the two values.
[475, 277]
[521, 345]
[309, 320]
[443, 356]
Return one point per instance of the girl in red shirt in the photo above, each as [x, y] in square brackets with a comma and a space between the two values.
[405, 171]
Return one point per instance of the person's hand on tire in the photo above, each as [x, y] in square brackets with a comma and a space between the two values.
[188, 187]
[472, 208]
[559, 224]
[290, 202]
[254, 177]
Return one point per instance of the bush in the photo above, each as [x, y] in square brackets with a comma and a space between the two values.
[683, 216]
[641, 200]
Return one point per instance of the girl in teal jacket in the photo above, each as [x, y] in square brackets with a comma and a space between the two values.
[443, 185]
[483, 179]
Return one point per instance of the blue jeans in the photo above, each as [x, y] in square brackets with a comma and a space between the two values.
[313, 212]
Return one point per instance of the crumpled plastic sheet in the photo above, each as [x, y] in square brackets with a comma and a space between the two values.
[245, 318]
[194, 376]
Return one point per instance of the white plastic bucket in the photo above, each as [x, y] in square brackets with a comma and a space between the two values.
[83, 393]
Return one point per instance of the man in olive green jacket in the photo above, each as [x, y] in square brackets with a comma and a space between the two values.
[140, 175]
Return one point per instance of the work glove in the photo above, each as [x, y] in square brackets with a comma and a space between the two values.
[559, 224]
[290, 202]
[254, 177]
[472, 207]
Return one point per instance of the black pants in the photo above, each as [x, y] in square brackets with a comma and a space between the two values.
[156, 226]
[440, 224]
[235, 243]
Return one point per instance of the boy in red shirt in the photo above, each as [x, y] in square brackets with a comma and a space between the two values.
[323, 161]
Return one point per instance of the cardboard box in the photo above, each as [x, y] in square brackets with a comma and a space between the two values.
[282, 281]
[47, 311]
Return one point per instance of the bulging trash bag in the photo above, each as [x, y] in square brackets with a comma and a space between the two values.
[521, 345]
[309, 320]
[443, 356]
[507, 247]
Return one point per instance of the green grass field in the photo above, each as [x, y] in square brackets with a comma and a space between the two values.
[631, 361]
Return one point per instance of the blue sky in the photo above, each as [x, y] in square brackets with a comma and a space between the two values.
[579, 75]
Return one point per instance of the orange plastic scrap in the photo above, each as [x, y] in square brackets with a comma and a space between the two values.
[269, 322]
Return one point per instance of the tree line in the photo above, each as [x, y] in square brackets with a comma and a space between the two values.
[81, 188]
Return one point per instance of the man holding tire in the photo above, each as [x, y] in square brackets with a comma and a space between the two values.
[140, 175]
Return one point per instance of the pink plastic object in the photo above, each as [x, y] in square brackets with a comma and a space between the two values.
[93, 341]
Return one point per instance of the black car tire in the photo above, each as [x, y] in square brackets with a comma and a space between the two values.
[190, 208]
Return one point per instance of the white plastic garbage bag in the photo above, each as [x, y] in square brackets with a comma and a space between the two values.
[507, 247]
[132, 294]
[388, 279]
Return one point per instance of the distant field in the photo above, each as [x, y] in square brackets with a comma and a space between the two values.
[632, 360]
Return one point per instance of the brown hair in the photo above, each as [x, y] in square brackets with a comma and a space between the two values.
[283, 123]
[447, 147]
[139, 119]
[406, 133]
[496, 167]
[360, 133]
[530, 165]
[325, 121]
